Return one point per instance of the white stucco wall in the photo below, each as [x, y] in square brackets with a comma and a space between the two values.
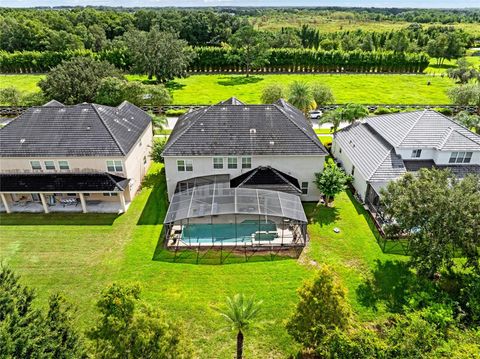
[439, 157]
[133, 166]
[302, 168]
[359, 182]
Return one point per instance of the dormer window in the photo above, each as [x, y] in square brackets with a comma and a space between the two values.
[416, 153]
[35, 165]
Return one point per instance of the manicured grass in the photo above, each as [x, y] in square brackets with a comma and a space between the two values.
[24, 83]
[210, 89]
[79, 255]
[387, 89]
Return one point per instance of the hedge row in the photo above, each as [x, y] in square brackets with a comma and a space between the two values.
[214, 59]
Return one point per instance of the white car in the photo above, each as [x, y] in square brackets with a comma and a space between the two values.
[316, 114]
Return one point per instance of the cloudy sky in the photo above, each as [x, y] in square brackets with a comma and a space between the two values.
[163, 3]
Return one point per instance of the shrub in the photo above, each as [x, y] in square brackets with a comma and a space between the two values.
[175, 112]
[444, 111]
[382, 111]
[272, 93]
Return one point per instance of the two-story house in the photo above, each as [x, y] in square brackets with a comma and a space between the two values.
[382, 148]
[256, 146]
[86, 157]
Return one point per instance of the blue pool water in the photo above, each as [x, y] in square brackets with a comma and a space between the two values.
[226, 232]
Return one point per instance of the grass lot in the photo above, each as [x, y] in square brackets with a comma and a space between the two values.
[81, 254]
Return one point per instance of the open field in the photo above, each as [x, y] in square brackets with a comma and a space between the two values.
[81, 254]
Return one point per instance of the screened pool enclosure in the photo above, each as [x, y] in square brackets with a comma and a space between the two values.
[217, 216]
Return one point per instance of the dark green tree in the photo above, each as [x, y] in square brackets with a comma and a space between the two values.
[250, 48]
[158, 54]
[331, 181]
[157, 149]
[463, 72]
[272, 93]
[77, 80]
[472, 122]
[28, 332]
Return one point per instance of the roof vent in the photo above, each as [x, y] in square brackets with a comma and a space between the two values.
[201, 123]
[268, 108]
[89, 128]
[128, 129]
[202, 130]
[253, 130]
[22, 140]
[85, 110]
[271, 143]
[37, 110]
[246, 109]
[62, 110]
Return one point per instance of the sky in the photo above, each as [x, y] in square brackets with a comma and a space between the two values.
[276, 3]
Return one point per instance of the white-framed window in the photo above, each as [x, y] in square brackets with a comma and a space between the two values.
[184, 165]
[36, 165]
[110, 194]
[49, 165]
[232, 162]
[246, 162]
[460, 157]
[63, 165]
[416, 153]
[114, 166]
[304, 187]
[218, 163]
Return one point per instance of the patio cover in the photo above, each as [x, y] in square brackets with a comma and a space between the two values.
[212, 200]
[61, 182]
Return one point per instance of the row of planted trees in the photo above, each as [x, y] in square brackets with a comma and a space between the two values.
[215, 59]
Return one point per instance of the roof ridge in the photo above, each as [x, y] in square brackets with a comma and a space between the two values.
[108, 129]
[381, 163]
[411, 128]
[250, 175]
[283, 178]
[318, 144]
[447, 135]
[169, 144]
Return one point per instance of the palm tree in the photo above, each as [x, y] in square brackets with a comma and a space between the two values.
[240, 312]
[301, 97]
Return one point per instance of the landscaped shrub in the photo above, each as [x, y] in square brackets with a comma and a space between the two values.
[444, 111]
[175, 112]
[382, 111]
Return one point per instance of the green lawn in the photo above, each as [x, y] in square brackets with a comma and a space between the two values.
[368, 89]
[80, 254]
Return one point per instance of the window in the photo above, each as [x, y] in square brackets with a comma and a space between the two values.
[49, 165]
[184, 165]
[63, 165]
[304, 187]
[114, 166]
[246, 162]
[218, 163]
[416, 153]
[110, 194]
[460, 157]
[232, 162]
[35, 165]
[353, 170]
[144, 160]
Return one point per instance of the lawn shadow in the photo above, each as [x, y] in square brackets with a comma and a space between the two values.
[156, 207]
[443, 66]
[173, 85]
[393, 284]
[58, 219]
[318, 213]
[238, 80]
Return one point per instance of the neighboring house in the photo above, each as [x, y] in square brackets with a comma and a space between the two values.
[382, 148]
[257, 146]
[86, 157]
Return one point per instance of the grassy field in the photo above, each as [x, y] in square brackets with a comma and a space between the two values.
[80, 254]
[209, 89]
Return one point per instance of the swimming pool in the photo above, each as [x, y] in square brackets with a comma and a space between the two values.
[229, 232]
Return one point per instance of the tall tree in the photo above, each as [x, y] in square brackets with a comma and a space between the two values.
[348, 113]
[322, 94]
[128, 329]
[463, 72]
[463, 95]
[331, 181]
[158, 53]
[77, 80]
[300, 96]
[240, 313]
[472, 122]
[415, 207]
[28, 332]
[321, 310]
[250, 48]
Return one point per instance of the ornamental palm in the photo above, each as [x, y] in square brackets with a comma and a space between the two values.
[240, 312]
[301, 97]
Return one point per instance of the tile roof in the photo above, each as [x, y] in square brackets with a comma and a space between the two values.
[372, 156]
[424, 129]
[232, 128]
[80, 130]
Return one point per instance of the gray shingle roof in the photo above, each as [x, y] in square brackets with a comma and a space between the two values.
[424, 129]
[232, 128]
[71, 131]
[372, 156]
